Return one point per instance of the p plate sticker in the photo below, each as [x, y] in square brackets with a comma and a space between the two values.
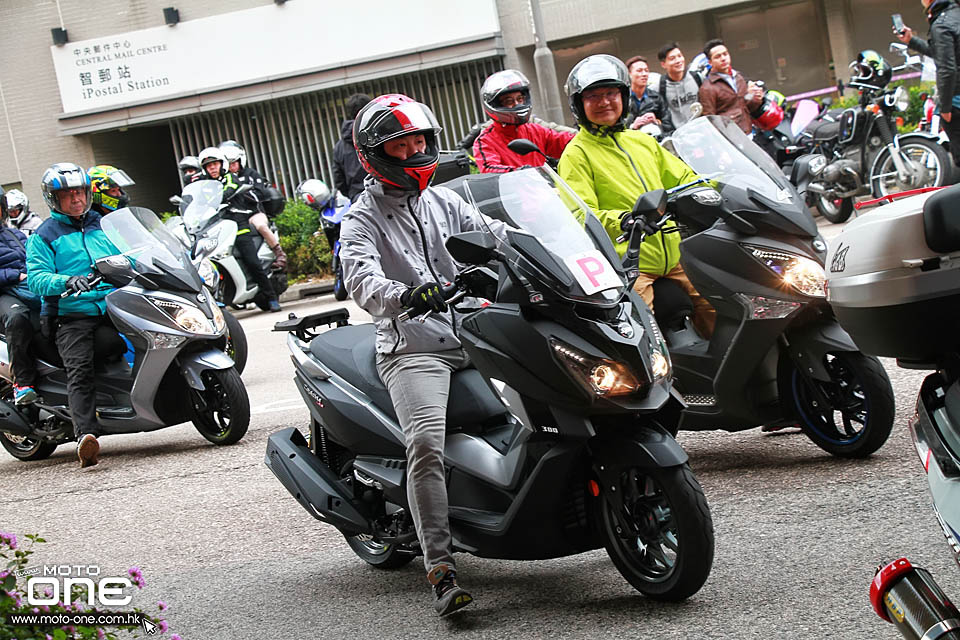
[592, 271]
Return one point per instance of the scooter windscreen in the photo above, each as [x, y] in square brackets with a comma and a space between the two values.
[200, 203]
[547, 228]
[747, 178]
[156, 256]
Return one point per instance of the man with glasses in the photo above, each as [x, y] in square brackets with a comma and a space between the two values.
[610, 166]
[506, 99]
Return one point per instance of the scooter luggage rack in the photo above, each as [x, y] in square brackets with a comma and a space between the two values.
[894, 196]
[302, 326]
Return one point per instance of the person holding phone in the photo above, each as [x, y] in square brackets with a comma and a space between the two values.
[943, 45]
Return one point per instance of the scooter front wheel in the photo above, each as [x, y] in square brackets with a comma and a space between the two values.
[661, 541]
[850, 416]
[222, 410]
[27, 449]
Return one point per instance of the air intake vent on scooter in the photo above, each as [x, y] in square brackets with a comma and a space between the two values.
[700, 400]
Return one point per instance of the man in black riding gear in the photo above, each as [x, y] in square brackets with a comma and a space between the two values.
[240, 207]
[943, 45]
[348, 173]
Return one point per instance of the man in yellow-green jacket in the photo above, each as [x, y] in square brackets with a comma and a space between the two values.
[609, 167]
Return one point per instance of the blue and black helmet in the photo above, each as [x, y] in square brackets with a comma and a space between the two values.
[64, 175]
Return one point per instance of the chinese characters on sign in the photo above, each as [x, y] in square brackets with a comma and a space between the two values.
[105, 69]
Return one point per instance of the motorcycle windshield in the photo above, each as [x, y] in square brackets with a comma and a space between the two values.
[747, 178]
[548, 227]
[200, 203]
[154, 253]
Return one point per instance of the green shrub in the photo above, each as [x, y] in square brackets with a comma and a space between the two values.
[308, 252]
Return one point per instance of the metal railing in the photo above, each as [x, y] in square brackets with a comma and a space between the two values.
[291, 139]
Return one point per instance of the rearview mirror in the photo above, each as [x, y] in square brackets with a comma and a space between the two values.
[898, 47]
[176, 200]
[471, 247]
[116, 270]
[522, 146]
[696, 109]
[650, 203]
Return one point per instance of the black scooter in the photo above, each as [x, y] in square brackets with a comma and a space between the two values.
[557, 441]
[778, 356]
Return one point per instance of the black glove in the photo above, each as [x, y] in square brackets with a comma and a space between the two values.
[78, 284]
[628, 220]
[426, 297]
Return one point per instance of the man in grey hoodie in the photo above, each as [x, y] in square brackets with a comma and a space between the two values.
[395, 259]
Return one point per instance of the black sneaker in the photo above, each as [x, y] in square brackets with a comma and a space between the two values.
[450, 596]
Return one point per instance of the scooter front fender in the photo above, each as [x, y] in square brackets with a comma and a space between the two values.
[192, 365]
[643, 446]
[809, 345]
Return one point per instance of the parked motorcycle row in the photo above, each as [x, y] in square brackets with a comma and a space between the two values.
[561, 438]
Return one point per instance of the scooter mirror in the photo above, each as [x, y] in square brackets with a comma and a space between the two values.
[651, 202]
[522, 146]
[898, 47]
[696, 110]
[471, 247]
[116, 270]
[176, 200]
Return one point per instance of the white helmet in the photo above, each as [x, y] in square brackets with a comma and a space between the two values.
[232, 151]
[17, 204]
[212, 154]
[315, 193]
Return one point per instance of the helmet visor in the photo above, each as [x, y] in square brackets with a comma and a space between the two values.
[597, 70]
[398, 121]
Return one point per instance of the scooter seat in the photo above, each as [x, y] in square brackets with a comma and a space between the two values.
[825, 130]
[941, 227]
[350, 352]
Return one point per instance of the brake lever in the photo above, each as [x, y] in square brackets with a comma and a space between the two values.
[93, 283]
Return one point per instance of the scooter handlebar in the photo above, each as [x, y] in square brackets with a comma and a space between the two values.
[93, 283]
[452, 294]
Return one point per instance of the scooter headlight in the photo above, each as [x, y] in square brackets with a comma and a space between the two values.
[660, 364]
[187, 317]
[219, 322]
[600, 376]
[208, 272]
[803, 274]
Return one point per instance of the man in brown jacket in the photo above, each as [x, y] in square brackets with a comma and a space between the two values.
[726, 92]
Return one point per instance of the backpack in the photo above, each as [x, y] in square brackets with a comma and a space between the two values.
[696, 78]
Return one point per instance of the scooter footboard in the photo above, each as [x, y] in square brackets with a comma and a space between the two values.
[316, 487]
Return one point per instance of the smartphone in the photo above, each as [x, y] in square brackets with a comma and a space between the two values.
[898, 23]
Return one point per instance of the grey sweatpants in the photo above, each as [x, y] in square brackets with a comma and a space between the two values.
[419, 384]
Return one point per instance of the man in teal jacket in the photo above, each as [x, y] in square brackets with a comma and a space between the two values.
[609, 167]
[60, 256]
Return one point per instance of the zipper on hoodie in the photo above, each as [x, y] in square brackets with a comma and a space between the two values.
[426, 256]
[663, 242]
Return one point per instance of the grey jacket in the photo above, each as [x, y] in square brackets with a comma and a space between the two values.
[944, 48]
[391, 240]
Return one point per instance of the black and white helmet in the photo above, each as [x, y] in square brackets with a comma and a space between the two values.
[232, 151]
[599, 70]
[500, 83]
[212, 154]
[16, 203]
[189, 165]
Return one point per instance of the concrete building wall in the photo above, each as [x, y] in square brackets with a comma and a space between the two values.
[29, 82]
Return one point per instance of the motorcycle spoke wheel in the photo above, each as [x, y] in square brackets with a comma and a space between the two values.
[928, 160]
[857, 417]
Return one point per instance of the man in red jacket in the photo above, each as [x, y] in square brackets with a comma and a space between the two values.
[506, 99]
